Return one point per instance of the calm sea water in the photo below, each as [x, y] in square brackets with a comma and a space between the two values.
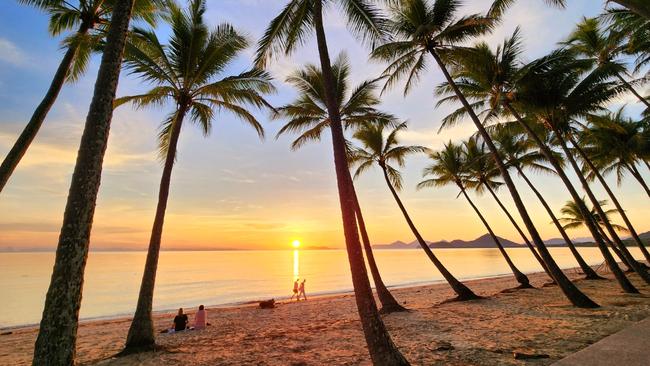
[187, 279]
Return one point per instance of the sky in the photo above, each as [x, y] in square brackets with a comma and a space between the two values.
[232, 190]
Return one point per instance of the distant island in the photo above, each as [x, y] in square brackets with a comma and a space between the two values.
[485, 241]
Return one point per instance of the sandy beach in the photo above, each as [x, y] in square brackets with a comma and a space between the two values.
[326, 330]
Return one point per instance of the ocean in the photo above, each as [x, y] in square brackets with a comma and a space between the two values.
[191, 278]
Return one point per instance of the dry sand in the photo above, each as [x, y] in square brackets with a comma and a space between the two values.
[326, 330]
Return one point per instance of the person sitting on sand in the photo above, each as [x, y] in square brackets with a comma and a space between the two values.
[201, 318]
[301, 290]
[180, 321]
[295, 290]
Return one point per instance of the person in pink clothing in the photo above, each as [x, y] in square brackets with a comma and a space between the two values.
[201, 318]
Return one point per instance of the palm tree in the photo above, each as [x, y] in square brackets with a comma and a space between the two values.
[384, 152]
[455, 165]
[603, 49]
[287, 31]
[482, 174]
[613, 143]
[422, 28]
[640, 7]
[495, 81]
[57, 334]
[555, 97]
[635, 29]
[91, 19]
[308, 116]
[574, 219]
[517, 149]
[186, 72]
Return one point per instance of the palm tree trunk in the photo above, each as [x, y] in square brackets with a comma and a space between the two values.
[647, 165]
[640, 7]
[521, 278]
[615, 201]
[380, 346]
[463, 292]
[577, 297]
[637, 175]
[388, 302]
[26, 137]
[521, 233]
[641, 271]
[589, 272]
[141, 334]
[618, 253]
[631, 89]
[57, 335]
[623, 281]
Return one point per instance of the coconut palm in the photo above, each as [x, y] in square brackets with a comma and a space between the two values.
[290, 29]
[495, 81]
[555, 98]
[518, 150]
[635, 29]
[422, 29]
[603, 49]
[574, 219]
[90, 18]
[639, 7]
[187, 72]
[613, 143]
[385, 151]
[459, 166]
[57, 334]
[308, 117]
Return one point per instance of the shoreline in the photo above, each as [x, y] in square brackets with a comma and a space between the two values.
[326, 329]
[238, 304]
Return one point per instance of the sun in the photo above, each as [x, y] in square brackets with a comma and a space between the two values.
[296, 244]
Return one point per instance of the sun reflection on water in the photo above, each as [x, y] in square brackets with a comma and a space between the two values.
[296, 263]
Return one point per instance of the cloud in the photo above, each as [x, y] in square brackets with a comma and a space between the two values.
[11, 54]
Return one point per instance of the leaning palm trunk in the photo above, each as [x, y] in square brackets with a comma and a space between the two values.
[642, 272]
[388, 302]
[631, 89]
[640, 7]
[141, 334]
[57, 335]
[611, 195]
[26, 137]
[519, 276]
[637, 175]
[380, 346]
[521, 233]
[618, 253]
[623, 281]
[589, 272]
[463, 292]
[577, 297]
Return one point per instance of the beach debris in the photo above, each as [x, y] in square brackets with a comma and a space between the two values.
[529, 356]
[442, 346]
[268, 304]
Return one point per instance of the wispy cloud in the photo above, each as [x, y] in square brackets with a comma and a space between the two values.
[11, 54]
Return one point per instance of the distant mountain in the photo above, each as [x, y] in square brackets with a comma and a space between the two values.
[560, 242]
[483, 241]
[397, 245]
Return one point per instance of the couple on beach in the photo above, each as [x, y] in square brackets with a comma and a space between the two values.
[181, 322]
[299, 290]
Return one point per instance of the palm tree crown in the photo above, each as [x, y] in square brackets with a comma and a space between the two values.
[383, 151]
[186, 71]
[308, 114]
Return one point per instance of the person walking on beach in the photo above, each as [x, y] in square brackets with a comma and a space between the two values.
[295, 290]
[301, 290]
